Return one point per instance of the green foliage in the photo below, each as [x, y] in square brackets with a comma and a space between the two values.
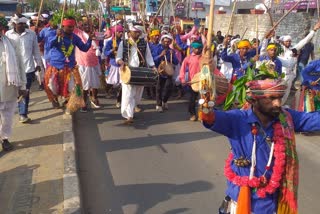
[47, 4]
[265, 71]
[68, 14]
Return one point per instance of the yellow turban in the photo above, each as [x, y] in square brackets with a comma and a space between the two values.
[155, 33]
[244, 44]
[213, 47]
[271, 46]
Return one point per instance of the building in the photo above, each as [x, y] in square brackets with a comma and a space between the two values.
[8, 7]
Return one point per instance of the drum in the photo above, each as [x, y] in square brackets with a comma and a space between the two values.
[166, 68]
[138, 76]
[221, 83]
[195, 82]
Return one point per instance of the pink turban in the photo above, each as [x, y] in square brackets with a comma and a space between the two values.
[265, 88]
[117, 28]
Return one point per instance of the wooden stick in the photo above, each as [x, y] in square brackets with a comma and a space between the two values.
[161, 6]
[269, 13]
[257, 35]
[210, 27]
[172, 11]
[231, 18]
[285, 15]
[39, 13]
[244, 33]
[63, 9]
[318, 8]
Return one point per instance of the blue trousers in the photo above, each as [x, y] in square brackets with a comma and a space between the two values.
[23, 105]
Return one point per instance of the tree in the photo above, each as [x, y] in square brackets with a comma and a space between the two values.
[47, 4]
[90, 5]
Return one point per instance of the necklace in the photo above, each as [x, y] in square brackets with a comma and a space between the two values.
[261, 184]
[67, 53]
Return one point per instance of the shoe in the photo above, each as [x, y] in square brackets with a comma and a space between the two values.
[118, 105]
[137, 109]
[180, 94]
[41, 87]
[165, 106]
[84, 110]
[128, 121]
[24, 119]
[193, 118]
[95, 104]
[159, 109]
[55, 104]
[6, 145]
[67, 111]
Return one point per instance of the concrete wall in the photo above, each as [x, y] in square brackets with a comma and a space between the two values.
[241, 22]
[295, 25]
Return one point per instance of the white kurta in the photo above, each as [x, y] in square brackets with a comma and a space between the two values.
[132, 94]
[289, 63]
[8, 95]
[6, 118]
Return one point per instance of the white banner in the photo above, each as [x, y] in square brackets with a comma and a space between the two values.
[219, 2]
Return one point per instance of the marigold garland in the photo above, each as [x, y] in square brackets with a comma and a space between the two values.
[261, 183]
[68, 52]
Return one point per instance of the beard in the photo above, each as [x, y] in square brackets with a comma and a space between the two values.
[273, 112]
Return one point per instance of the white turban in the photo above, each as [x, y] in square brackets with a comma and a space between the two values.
[234, 41]
[15, 19]
[34, 18]
[45, 15]
[135, 28]
[286, 38]
[168, 36]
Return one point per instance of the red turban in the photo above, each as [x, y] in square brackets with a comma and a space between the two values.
[68, 22]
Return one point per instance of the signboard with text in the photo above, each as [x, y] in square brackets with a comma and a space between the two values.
[135, 6]
[198, 6]
[152, 6]
[180, 9]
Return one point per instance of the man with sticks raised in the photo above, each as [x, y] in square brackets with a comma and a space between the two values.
[62, 75]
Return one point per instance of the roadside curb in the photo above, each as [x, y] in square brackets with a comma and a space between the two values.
[71, 184]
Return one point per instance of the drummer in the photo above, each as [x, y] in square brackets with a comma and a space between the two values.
[133, 52]
[164, 55]
[192, 64]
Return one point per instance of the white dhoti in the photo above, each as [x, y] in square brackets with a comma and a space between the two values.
[131, 97]
[90, 76]
[176, 74]
[288, 79]
[6, 118]
[114, 75]
[233, 208]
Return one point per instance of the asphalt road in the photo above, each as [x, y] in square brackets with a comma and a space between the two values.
[163, 163]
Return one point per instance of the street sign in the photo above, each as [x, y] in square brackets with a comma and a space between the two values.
[117, 9]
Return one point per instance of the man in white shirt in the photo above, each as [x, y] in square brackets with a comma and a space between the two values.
[12, 84]
[289, 59]
[26, 45]
[132, 94]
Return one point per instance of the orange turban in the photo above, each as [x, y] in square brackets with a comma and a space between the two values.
[244, 44]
